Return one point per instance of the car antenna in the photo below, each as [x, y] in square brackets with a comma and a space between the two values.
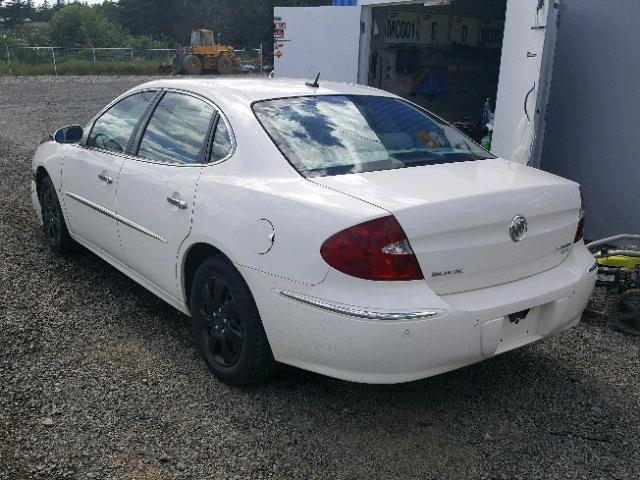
[315, 84]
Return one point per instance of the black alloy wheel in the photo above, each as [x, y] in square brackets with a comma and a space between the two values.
[221, 325]
[226, 324]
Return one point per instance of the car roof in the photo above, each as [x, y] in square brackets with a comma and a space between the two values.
[249, 90]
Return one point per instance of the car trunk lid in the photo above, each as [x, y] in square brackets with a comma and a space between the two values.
[457, 217]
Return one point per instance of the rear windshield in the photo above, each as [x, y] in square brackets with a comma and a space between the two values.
[340, 134]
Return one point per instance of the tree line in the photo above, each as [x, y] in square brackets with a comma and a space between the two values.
[143, 23]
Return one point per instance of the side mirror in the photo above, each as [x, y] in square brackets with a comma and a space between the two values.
[69, 135]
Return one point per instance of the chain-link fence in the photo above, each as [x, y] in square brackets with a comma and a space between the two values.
[96, 61]
[251, 61]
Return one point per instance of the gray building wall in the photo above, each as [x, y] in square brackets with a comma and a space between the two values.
[593, 123]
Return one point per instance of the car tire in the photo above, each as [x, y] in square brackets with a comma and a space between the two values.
[192, 65]
[56, 233]
[226, 325]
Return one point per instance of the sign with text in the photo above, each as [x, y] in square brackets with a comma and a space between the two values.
[491, 33]
[401, 27]
[434, 29]
[465, 31]
[279, 36]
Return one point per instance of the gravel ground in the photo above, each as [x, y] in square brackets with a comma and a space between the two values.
[99, 379]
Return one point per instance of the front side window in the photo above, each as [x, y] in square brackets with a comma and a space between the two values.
[340, 134]
[114, 128]
[177, 130]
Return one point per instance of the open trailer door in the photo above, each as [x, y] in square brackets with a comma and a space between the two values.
[525, 79]
[308, 40]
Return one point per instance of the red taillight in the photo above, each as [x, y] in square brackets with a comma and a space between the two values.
[580, 229]
[375, 250]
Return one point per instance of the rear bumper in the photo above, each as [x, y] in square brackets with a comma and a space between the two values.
[464, 328]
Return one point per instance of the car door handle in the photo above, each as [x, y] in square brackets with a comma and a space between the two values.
[103, 177]
[177, 202]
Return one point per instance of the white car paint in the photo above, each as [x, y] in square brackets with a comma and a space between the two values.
[464, 226]
[316, 317]
[89, 224]
[155, 256]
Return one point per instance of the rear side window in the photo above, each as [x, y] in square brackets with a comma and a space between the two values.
[340, 134]
[114, 128]
[177, 130]
[221, 142]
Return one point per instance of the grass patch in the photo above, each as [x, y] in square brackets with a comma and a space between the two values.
[84, 67]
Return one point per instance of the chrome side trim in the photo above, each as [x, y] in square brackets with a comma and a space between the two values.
[115, 216]
[359, 312]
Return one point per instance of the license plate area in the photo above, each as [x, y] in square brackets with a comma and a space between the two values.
[517, 316]
[519, 326]
[511, 331]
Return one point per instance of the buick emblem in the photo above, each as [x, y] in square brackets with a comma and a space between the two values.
[518, 228]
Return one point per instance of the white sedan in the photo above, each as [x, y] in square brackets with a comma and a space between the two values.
[336, 228]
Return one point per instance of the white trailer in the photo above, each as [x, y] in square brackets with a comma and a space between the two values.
[446, 55]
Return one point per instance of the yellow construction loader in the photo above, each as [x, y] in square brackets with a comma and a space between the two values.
[203, 55]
